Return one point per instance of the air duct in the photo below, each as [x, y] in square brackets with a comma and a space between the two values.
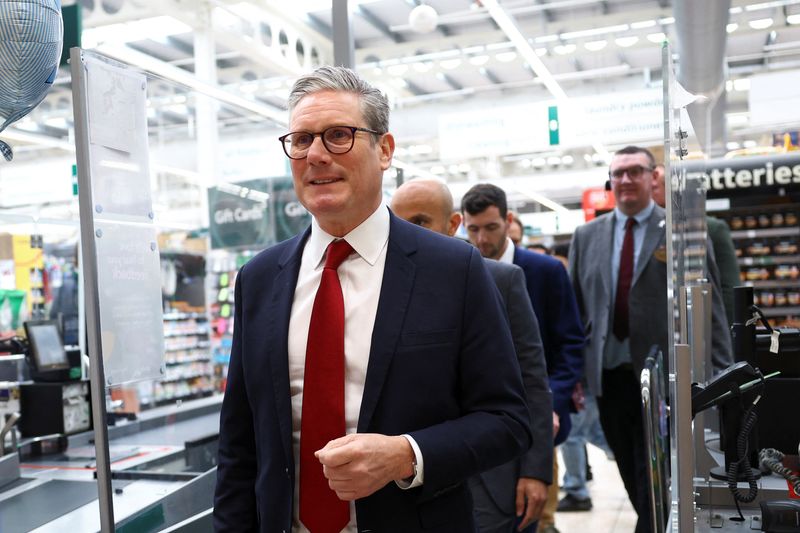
[702, 37]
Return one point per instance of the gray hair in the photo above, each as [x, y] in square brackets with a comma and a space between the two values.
[374, 105]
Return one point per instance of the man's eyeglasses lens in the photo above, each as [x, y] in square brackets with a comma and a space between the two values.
[337, 140]
[634, 172]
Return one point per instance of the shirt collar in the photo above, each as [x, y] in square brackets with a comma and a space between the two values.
[641, 217]
[367, 239]
[508, 255]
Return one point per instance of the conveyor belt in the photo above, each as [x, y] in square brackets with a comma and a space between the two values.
[40, 505]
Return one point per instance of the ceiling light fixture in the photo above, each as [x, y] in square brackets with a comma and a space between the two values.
[643, 24]
[397, 70]
[732, 27]
[564, 49]
[793, 19]
[657, 38]
[619, 28]
[423, 19]
[595, 46]
[422, 66]
[506, 57]
[741, 84]
[450, 64]
[761, 24]
[479, 60]
[626, 42]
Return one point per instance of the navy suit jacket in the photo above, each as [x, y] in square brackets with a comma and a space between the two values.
[554, 303]
[442, 369]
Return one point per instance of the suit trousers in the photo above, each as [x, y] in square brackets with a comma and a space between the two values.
[621, 417]
[489, 518]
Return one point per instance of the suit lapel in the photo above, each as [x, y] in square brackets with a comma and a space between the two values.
[601, 248]
[396, 288]
[652, 237]
[276, 317]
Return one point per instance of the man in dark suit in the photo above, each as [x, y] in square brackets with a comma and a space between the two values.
[618, 266]
[509, 490]
[486, 218]
[358, 397]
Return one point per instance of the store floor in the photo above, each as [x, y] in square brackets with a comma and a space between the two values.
[611, 512]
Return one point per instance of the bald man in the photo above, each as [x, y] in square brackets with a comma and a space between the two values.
[510, 496]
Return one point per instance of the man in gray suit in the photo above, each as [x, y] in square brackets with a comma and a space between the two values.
[518, 488]
[618, 266]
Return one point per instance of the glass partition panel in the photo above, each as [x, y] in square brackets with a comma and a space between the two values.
[215, 191]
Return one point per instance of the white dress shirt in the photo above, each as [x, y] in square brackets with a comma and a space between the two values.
[508, 254]
[361, 277]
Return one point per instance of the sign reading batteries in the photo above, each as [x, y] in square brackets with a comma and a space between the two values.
[254, 214]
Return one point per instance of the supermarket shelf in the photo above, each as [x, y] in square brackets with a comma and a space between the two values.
[184, 378]
[765, 260]
[185, 316]
[204, 344]
[773, 284]
[765, 232]
[189, 360]
[203, 331]
[780, 311]
[172, 399]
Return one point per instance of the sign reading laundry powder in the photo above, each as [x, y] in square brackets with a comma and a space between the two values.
[635, 117]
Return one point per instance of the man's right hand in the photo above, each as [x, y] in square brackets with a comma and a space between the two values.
[556, 423]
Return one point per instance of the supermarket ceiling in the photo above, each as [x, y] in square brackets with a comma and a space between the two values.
[248, 53]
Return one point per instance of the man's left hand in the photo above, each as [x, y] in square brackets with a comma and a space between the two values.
[359, 464]
[534, 492]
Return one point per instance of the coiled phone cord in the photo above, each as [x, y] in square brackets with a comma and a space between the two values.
[771, 459]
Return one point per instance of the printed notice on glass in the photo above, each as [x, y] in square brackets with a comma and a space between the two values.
[116, 106]
[129, 290]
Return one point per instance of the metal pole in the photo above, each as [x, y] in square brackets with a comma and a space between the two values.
[91, 297]
[681, 422]
[343, 43]
[699, 316]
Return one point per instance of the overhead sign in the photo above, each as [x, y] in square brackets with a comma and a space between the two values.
[747, 175]
[618, 118]
[255, 213]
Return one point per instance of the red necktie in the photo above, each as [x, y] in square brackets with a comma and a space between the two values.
[322, 419]
[624, 282]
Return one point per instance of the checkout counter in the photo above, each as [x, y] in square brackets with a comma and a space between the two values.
[740, 475]
[163, 462]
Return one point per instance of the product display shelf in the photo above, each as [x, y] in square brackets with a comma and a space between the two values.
[767, 243]
[221, 313]
[187, 357]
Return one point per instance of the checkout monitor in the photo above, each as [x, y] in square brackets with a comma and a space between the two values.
[46, 348]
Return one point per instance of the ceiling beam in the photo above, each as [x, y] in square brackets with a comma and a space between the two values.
[491, 76]
[414, 89]
[449, 80]
[546, 13]
[378, 24]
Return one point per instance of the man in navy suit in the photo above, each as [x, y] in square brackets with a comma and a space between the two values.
[487, 220]
[420, 322]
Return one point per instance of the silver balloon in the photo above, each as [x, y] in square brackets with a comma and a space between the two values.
[31, 37]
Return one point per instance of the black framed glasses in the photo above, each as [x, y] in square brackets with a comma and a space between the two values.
[634, 173]
[336, 139]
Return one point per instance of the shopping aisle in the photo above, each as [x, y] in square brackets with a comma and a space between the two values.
[611, 512]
